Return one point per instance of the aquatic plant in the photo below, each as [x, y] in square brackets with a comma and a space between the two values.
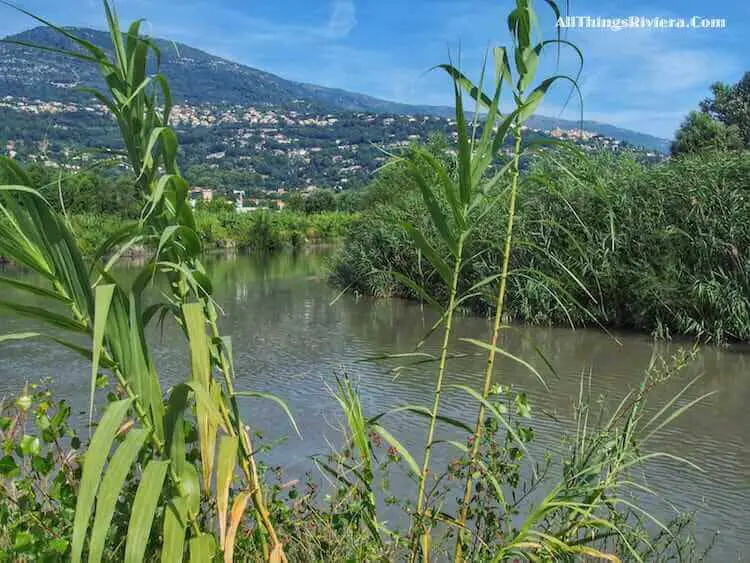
[114, 317]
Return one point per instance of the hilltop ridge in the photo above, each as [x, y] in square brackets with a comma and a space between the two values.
[197, 77]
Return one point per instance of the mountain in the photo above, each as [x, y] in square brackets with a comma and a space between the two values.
[196, 77]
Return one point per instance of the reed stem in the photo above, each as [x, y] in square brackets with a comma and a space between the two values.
[436, 401]
[489, 369]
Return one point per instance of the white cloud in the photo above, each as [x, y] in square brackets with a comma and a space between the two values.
[343, 19]
[647, 79]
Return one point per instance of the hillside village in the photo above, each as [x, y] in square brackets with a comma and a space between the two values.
[255, 150]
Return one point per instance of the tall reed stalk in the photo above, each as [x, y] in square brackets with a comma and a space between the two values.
[477, 186]
[487, 385]
[115, 317]
[521, 22]
[424, 473]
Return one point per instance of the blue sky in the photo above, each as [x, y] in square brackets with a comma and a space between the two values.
[645, 80]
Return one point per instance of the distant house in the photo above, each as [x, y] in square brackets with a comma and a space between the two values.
[239, 199]
[205, 195]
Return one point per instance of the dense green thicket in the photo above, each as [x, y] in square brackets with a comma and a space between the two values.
[723, 122]
[96, 191]
[268, 230]
[260, 230]
[98, 203]
[609, 241]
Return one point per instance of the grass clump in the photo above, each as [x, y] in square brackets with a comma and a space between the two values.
[606, 241]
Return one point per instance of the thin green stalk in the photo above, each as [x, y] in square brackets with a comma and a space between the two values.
[436, 401]
[246, 457]
[489, 369]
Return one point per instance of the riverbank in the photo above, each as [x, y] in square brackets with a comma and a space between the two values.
[602, 241]
[261, 230]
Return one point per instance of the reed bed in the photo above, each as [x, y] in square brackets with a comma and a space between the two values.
[604, 242]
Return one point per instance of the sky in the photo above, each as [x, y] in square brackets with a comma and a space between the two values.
[641, 79]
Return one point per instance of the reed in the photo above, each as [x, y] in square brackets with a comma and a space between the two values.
[475, 189]
[652, 248]
[114, 317]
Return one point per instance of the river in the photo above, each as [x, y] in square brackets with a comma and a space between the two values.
[290, 340]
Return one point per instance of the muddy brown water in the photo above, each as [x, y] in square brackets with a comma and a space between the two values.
[290, 340]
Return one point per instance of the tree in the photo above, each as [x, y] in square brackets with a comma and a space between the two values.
[296, 202]
[216, 205]
[320, 201]
[700, 132]
[731, 105]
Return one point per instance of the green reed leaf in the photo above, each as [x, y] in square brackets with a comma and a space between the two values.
[416, 288]
[111, 488]
[175, 524]
[530, 60]
[441, 267]
[505, 353]
[190, 480]
[93, 463]
[33, 289]
[174, 426]
[464, 82]
[144, 510]
[103, 299]
[403, 452]
[18, 336]
[44, 315]
[436, 213]
[498, 415]
[202, 548]
[275, 399]
[195, 327]
[531, 103]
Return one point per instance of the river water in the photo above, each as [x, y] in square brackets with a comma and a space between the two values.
[290, 340]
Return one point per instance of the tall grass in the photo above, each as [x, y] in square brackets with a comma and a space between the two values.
[475, 189]
[114, 318]
[655, 248]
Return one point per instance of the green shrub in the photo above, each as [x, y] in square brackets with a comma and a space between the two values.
[612, 242]
[39, 476]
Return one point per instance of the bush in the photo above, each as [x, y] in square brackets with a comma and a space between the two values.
[39, 476]
[613, 242]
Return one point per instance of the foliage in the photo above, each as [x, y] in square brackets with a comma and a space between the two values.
[700, 132]
[262, 233]
[216, 205]
[254, 230]
[723, 122]
[319, 201]
[731, 105]
[39, 476]
[92, 191]
[606, 242]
